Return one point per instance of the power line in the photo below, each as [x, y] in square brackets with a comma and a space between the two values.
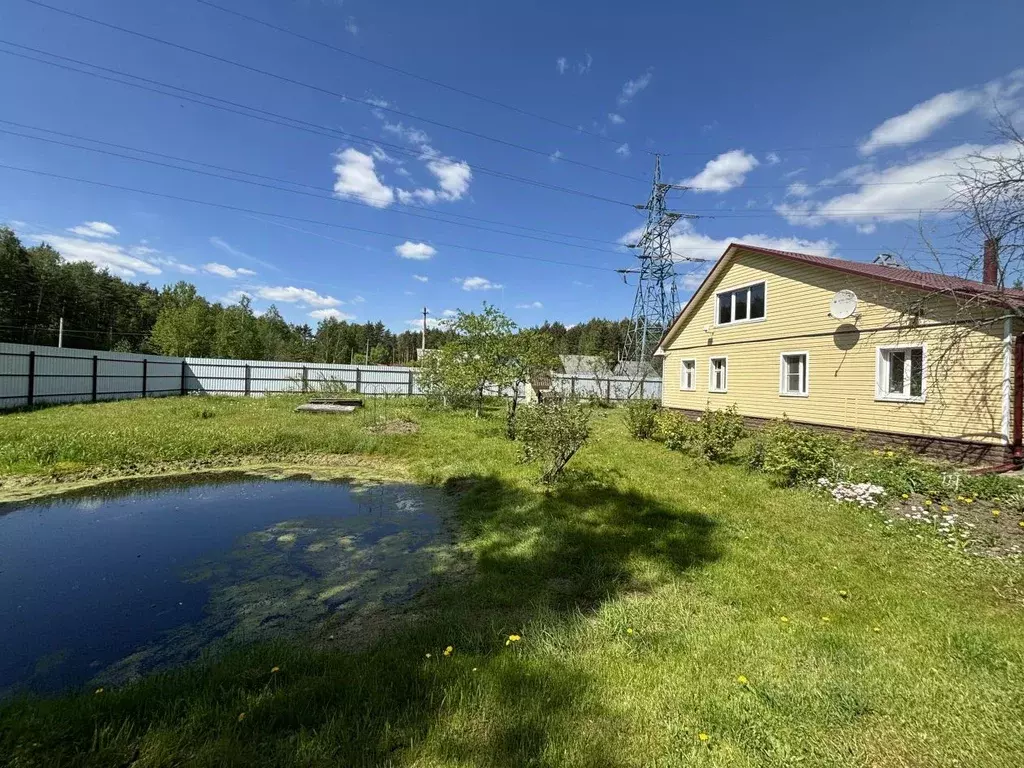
[326, 91]
[328, 197]
[407, 73]
[286, 181]
[240, 209]
[271, 117]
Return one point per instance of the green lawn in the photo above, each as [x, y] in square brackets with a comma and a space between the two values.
[645, 590]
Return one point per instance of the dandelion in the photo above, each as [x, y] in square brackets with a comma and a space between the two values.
[968, 501]
[784, 619]
[890, 454]
[876, 629]
[241, 716]
[449, 651]
[877, 452]
[703, 737]
[629, 630]
[1021, 523]
[844, 594]
[927, 502]
[944, 508]
[274, 670]
[905, 496]
[513, 639]
[826, 619]
[995, 513]
[99, 691]
[741, 679]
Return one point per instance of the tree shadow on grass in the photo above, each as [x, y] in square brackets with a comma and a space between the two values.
[541, 561]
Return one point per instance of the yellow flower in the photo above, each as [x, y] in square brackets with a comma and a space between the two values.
[995, 513]
[513, 639]
[826, 618]
[843, 593]
[99, 690]
[1021, 523]
[876, 452]
[784, 619]
[741, 679]
[703, 737]
[449, 651]
[905, 496]
[876, 629]
[944, 508]
[927, 502]
[629, 630]
[889, 453]
[968, 501]
[274, 670]
[241, 716]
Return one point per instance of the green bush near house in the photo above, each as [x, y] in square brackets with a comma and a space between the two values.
[641, 418]
[796, 455]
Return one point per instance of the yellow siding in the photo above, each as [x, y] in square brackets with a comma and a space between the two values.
[963, 368]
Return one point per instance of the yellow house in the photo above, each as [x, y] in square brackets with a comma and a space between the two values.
[900, 355]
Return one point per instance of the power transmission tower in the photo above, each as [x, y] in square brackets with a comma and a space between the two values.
[657, 299]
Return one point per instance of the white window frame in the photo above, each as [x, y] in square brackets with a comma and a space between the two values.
[732, 309]
[711, 375]
[682, 375]
[882, 374]
[806, 377]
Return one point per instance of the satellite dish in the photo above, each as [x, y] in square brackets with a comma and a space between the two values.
[844, 304]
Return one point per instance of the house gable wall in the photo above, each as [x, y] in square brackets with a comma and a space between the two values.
[964, 369]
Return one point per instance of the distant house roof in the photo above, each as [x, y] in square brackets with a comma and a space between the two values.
[632, 368]
[575, 364]
[908, 278]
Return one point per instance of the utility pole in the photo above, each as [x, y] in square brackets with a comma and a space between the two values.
[423, 342]
[657, 300]
[60, 332]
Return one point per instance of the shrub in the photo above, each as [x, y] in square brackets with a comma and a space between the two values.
[552, 432]
[899, 471]
[712, 437]
[796, 455]
[641, 418]
[673, 429]
[990, 486]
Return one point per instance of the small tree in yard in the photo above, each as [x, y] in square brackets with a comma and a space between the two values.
[552, 432]
[463, 369]
[528, 354]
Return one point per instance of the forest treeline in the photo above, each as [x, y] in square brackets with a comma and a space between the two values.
[104, 312]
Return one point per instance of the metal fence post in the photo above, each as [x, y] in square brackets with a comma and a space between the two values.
[183, 387]
[31, 377]
[358, 378]
[410, 381]
[145, 375]
[572, 386]
[305, 379]
[95, 370]
[248, 380]
[608, 388]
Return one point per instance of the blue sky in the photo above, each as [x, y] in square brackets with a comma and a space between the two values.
[809, 127]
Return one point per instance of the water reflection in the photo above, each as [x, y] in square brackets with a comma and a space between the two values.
[130, 577]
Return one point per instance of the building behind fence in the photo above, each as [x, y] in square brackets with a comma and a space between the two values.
[36, 375]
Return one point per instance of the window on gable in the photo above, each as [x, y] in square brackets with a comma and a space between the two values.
[740, 304]
[718, 374]
[688, 375]
[793, 374]
[901, 374]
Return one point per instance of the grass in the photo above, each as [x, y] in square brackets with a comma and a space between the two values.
[643, 588]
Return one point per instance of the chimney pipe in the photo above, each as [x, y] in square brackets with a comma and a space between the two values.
[990, 263]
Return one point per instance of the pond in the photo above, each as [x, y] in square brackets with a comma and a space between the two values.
[122, 579]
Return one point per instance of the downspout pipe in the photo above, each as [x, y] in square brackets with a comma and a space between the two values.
[1018, 402]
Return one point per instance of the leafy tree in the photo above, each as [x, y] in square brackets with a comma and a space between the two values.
[184, 325]
[528, 354]
[552, 432]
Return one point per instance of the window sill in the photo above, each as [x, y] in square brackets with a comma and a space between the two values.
[739, 322]
[794, 394]
[898, 399]
[687, 389]
[718, 391]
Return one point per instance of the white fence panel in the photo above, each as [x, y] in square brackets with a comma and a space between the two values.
[605, 387]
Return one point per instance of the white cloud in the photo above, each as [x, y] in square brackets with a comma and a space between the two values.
[163, 261]
[453, 176]
[615, 118]
[561, 64]
[421, 278]
[1002, 95]
[357, 300]
[417, 251]
[632, 87]
[223, 270]
[555, 156]
[530, 305]
[330, 314]
[384, 157]
[773, 158]
[582, 67]
[725, 172]
[798, 189]
[688, 242]
[898, 192]
[432, 323]
[412, 135]
[99, 229]
[623, 150]
[351, 27]
[449, 313]
[107, 256]
[357, 179]
[424, 194]
[478, 284]
[292, 295]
